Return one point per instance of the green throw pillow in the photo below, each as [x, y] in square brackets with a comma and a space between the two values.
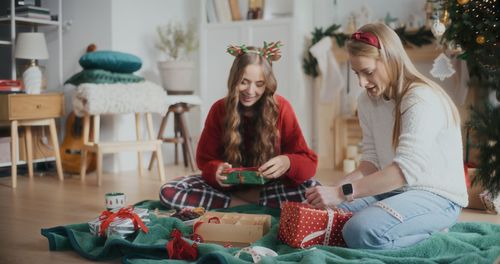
[111, 61]
[102, 76]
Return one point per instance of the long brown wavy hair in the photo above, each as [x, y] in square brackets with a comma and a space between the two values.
[264, 118]
[403, 75]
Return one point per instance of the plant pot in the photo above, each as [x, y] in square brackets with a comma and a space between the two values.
[177, 76]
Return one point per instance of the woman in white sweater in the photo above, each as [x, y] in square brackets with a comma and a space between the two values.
[410, 181]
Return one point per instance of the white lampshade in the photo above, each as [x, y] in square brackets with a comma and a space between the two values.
[32, 46]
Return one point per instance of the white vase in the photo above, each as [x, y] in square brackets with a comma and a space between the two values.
[177, 76]
[32, 79]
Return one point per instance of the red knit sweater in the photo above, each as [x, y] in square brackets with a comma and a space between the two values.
[210, 152]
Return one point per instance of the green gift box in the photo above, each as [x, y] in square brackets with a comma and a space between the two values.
[244, 176]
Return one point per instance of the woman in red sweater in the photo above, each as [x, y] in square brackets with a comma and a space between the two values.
[251, 127]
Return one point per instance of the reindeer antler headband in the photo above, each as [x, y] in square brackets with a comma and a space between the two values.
[270, 51]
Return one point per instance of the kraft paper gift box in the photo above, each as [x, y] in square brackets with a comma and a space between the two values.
[303, 226]
[235, 229]
[121, 226]
[244, 176]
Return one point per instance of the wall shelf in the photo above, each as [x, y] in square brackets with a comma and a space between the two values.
[14, 22]
[29, 21]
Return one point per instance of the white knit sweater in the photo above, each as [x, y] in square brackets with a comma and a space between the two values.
[430, 145]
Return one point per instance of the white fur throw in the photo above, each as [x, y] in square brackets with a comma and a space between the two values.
[119, 98]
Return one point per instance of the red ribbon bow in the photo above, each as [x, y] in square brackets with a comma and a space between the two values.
[108, 217]
[366, 37]
[195, 236]
[178, 248]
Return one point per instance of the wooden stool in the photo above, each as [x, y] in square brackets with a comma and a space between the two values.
[181, 135]
[101, 148]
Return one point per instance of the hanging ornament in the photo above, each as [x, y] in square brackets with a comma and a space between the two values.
[480, 39]
[493, 98]
[438, 28]
[463, 2]
[454, 48]
[442, 67]
[445, 17]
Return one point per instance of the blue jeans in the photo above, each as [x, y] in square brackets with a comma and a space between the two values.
[397, 219]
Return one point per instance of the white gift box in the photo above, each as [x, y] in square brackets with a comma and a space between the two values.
[120, 226]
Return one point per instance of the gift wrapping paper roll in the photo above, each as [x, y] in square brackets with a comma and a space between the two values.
[349, 165]
[352, 151]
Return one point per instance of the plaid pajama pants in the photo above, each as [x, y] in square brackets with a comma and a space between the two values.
[193, 191]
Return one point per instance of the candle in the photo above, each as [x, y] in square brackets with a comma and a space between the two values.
[352, 151]
[349, 165]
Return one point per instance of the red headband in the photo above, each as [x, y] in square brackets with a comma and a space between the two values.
[366, 37]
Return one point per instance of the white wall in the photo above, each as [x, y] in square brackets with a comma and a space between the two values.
[329, 12]
[121, 25]
[302, 99]
[136, 34]
[88, 22]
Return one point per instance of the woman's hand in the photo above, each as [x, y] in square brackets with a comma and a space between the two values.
[218, 174]
[324, 196]
[275, 167]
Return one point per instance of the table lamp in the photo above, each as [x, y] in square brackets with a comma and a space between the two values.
[32, 46]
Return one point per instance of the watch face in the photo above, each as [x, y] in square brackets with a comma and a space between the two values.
[347, 189]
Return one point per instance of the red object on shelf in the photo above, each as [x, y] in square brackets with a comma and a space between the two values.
[10, 86]
[10, 83]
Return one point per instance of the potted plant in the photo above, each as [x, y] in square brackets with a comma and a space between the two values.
[177, 43]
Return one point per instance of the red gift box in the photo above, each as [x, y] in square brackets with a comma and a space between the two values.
[301, 225]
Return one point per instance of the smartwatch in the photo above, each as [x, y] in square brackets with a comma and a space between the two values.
[347, 191]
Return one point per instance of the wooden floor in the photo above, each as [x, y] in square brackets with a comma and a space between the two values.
[45, 202]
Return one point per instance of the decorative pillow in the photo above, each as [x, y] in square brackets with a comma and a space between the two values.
[102, 76]
[111, 61]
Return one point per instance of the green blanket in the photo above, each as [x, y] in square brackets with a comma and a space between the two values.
[464, 243]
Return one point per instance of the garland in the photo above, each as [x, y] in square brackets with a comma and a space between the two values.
[418, 38]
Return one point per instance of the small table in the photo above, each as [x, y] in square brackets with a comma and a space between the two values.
[29, 110]
[178, 106]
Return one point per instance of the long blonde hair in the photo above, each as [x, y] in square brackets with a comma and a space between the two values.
[264, 117]
[402, 74]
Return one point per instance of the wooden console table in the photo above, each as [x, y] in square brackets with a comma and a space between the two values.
[29, 110]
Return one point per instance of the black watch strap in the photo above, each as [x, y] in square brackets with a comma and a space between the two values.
[347, 190]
